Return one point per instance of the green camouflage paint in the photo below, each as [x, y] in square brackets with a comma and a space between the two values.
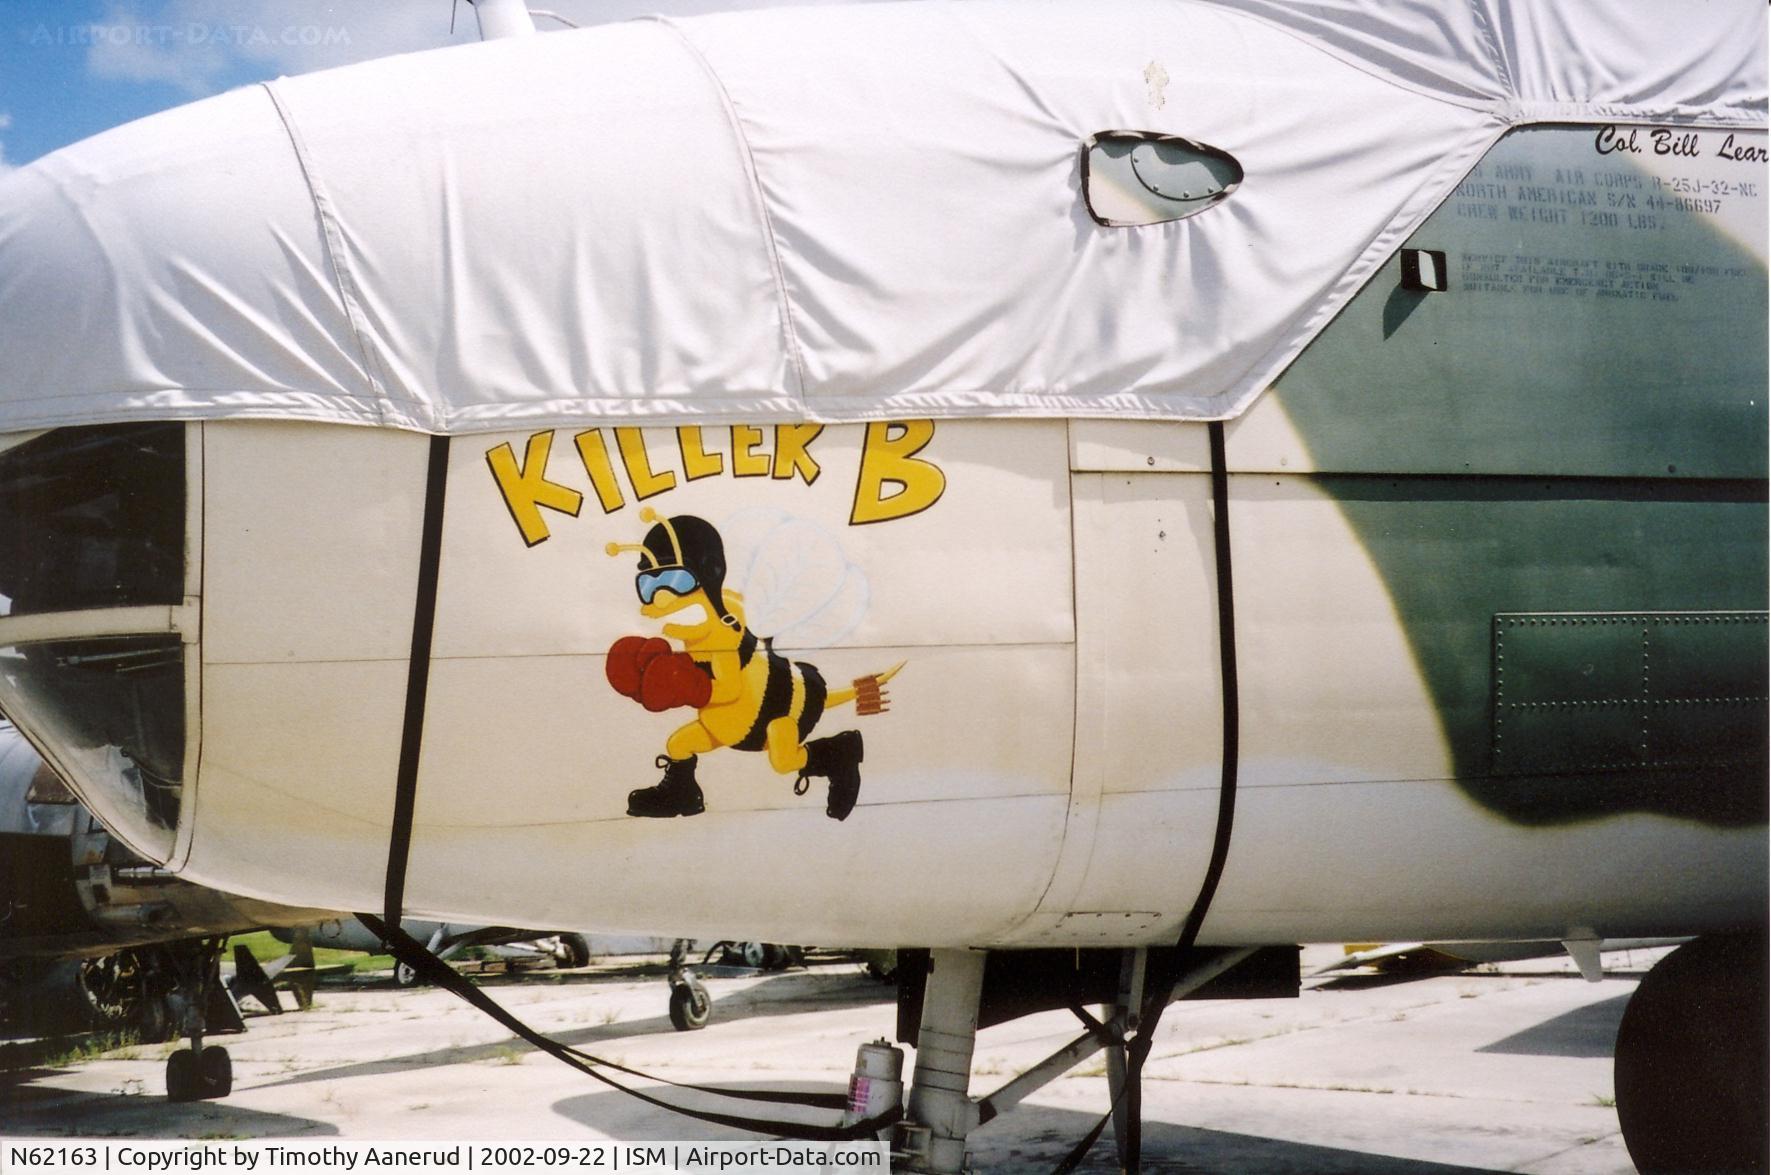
[1577, 425]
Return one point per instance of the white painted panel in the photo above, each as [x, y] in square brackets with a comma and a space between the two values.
[295, 796]
[1263, 440]
[1137, 446]
[1147, 593]
[311, 541]
[1151, 850]
[956, 873]
[1148, 693]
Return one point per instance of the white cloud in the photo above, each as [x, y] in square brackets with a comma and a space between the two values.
[133, 45]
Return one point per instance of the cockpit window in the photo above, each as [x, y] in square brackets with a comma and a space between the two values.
[1136, 178]
[93, 518]
[111, 711]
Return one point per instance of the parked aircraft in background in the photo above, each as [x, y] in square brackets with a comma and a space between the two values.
[1425, 957]
[445, 940]
[94, 937]
[1300, 471]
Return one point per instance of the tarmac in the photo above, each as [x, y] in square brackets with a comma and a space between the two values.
[1502, 1068]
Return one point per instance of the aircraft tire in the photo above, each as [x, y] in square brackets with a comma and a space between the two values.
[183, 1081]
[575, 949]
[690, 1006]
[405, 976]
[1690, 1068]
[216, 1068]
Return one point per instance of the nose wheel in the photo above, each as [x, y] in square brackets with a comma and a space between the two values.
[202, 1004]
[193, 1075]
[690, 1005]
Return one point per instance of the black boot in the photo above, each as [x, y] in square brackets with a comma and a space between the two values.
[677, 794]
[838, 759]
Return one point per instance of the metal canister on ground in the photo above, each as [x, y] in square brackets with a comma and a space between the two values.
[877, 1084]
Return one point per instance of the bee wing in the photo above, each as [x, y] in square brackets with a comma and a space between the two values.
[797, 583]
[744, 533]
[840, 614]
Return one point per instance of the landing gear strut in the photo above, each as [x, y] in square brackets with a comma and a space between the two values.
[200, 1072]
[931, 1138]
[941, 1114]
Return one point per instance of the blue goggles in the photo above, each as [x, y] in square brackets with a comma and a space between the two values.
[674, 579]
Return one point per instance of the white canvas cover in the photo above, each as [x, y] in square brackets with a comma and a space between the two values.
[835, 213]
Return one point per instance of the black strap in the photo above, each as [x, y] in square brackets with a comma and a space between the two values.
[1150, 1015]
[1080, 1151]
[409, 951]
[1155, 1002]
[1232, 723]
[424, 614]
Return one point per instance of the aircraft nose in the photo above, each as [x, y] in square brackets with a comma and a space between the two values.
[171, 269]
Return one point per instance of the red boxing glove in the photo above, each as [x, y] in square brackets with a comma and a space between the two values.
[674, 680]
[627, 661]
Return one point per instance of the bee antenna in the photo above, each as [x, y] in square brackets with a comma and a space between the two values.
[647, 514]
[613, 549]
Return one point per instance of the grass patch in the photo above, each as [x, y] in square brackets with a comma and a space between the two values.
[265, 947]
[91, 1047]
[1227, 1042]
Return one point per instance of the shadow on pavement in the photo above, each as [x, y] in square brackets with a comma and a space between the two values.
[788, 994]
[1031, 1139]
[1590, 1031]
[1187, 1149]
[139, 1109]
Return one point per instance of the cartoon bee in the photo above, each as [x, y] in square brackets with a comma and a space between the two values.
[745, 695]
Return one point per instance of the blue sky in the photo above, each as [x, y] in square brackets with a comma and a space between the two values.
[72, 68]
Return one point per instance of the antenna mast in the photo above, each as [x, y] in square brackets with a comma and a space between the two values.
[502, 18]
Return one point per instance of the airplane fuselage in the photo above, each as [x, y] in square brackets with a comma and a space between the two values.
[1498, 573]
